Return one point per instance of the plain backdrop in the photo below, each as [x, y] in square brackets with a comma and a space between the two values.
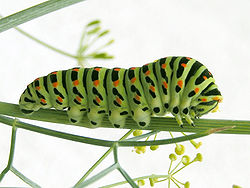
[217, 33]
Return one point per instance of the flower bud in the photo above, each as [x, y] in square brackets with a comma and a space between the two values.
[198, 157]
[172, 157]
[153, 148]
[137, 132]
[179, 149]
[141, 182]
[185, 160]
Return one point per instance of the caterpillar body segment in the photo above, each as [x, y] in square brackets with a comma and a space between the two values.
[179, 85]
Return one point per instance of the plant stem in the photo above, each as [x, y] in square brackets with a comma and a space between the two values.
[157, 123]
[101, 159]
[33, 12]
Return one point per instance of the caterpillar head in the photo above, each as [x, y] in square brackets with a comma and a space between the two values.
[27, 102]
[207, 102]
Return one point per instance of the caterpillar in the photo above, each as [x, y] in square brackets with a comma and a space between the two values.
[179, 85]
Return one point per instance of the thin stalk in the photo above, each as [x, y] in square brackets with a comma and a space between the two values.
[33, 12]
[127, 177]
[135, 179]
[157, 123]
[98, 176]
[12, 150]
[101, 159]
[24, 178]
[45, 44]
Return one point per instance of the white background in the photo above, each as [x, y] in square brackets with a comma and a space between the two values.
[217, 33]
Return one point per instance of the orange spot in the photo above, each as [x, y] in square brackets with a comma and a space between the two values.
[116, 83]
[37, 79]
[97, 69]
[96, 82]
[188, 58]
[117, 69]
[137, 97]
[118, 100]
[59, 99]
[180, 83]
[165, 84]
[98, 100]
[196, 90]
[216, 98]
[204, 100]
[55, 84]
[184, 65]
[38, 88]
[76, 82]
[43, 101]
[147, 73]
[76, 69]
[152, 88]
[164, 65]
[78, 99]
[54, 72]
[204, 77]
[132, 68]
[209, 73]
[133, 80]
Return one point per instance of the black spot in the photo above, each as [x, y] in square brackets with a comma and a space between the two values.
[116, 125]
[95, 74]
[144, 68]
[176, 110]
[44, 104]
[114, 75]
[53, 78]
[152, 93]
[212, 92]
[166, 105]
[177, 89]
[58, 102]
[96, 103]
[28, 90]
[45, 83]
[124, 113]
[27, 111]
[163, 73]
[83, 109]
[132, 112]
[115, 91]
[88, 109]
[133, 88]
[36, 82]
[28, 100]
[165, 91]
[191, 94]
[74, 75]
[64, 80]
[73, 120]
[131, 74]
[136, 101]
[93, 123]
[185, 111]
[192, 71]
[69, 108]
[94, 91]
[109, 112]
[145, 109]
[116, 103]
[75, 91]
[101, 111]
[142, 123]
[76, 101]
[156, 109]
[105, 81]
[148, 80]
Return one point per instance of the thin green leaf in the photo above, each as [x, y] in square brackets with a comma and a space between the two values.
[95, 22]
[94, 31]
[34, 12]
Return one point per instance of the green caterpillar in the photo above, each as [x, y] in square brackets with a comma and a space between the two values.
[179, 85]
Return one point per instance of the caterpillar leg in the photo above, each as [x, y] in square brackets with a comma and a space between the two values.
[141, 117]
[179, 120]
[95, 117]
[118, 118]
[75, 114]
[189, 120]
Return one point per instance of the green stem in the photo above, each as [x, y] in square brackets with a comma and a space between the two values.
[101, 159]
[98, 176]
[45, 44]
[157, 123]
[12, 149]
[24, 178]
[34, 12]
[127, 177]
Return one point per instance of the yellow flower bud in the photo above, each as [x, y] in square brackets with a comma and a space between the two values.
[141, 182]
[154, 147]
[140, 149]
[137, 132]
[152, 181]
[236, 186]
[179, 149]
[198, 157]
[195, 144]
[172, 157]
[187, 184]
[185, 160]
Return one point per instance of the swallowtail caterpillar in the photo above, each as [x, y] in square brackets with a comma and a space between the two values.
[179, 85]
